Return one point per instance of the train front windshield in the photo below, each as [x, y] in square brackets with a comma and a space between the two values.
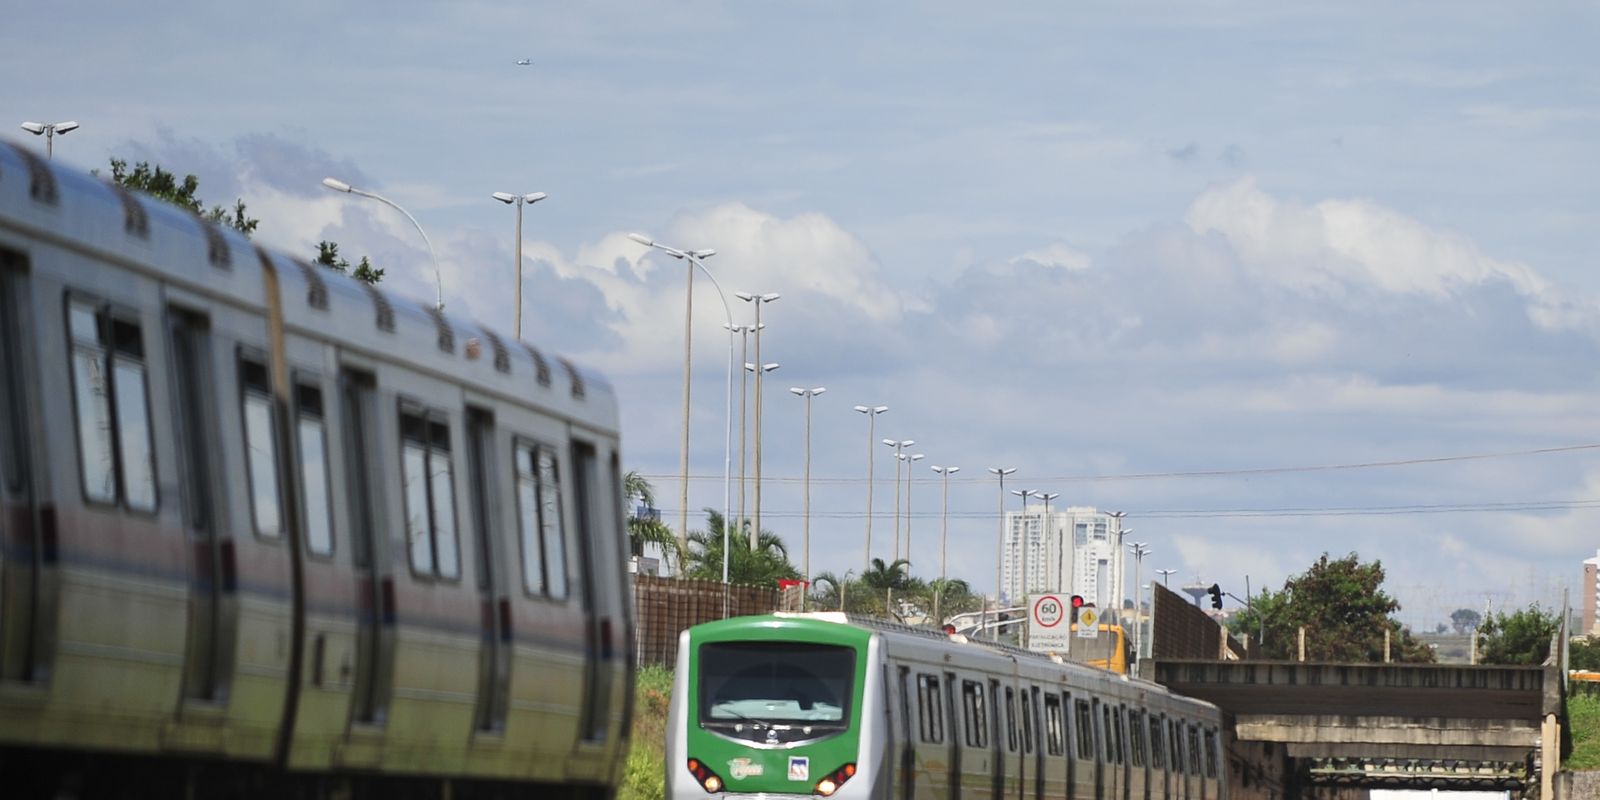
[775, 691]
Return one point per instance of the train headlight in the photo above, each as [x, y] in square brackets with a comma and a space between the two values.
[827, 786]
[708, 780]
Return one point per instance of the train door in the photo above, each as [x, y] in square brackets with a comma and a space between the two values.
[1035, 738]
[997, 752]
[954, 733]
[598, 647]
[908, 754]
[375, 600]
[494, 671]
[212, 569]
[27, 536]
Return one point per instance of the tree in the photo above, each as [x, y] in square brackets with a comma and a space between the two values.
[765, 564]
[642, 530]
[955, 597]
[1341, 604]
[164, 185]
[1465, 620]
[328, 256]
[1521, 637]
[1584, 654]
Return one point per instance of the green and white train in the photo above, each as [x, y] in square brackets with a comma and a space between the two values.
[829, 705]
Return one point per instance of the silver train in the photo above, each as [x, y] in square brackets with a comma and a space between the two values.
[265, 529]
[827, 705]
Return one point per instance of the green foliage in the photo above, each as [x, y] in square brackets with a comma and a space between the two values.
[763, 565]
[1521, 637]
[1584, 654]
[164, 185]
[643, 776]
[1583, 718]
[1341, 604]
[1465, 620]
[642, 531]
[328, 256]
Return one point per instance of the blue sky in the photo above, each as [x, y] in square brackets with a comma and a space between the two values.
[1113, 245]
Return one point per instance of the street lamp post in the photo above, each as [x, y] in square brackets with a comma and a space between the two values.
[807, 394]
[1116, 558]
[1045, 534]
[1022, 541]
[744, 404]
[944, 534]
[49, 131]
[1164, 573]
[872, 413]
[899, 447]
[751, 368]
[693, 259]
[1000, 538]
[519, 200]
[759, 300]
[1140, 550]
[911, 461]
[438, 282]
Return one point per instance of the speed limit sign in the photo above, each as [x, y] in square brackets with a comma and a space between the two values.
[1048, 631]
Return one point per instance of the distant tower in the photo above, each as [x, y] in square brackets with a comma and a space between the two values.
[1591, 591]
[1196, 591]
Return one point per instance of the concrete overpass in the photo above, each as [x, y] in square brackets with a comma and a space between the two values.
[1416, 725]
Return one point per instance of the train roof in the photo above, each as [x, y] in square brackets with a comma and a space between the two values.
[70, 208]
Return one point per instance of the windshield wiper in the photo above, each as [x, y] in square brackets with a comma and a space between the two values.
[754, 723]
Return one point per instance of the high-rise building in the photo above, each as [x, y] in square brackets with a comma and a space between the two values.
[1076, 550]
[1591, 593]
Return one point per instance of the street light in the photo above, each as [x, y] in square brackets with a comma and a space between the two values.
[1000, 538]
[944, 534]
[438, 282]
[49, 131]
[807, 394]
[755, 532]
[899, 447]
[744, 403]
[1022, 540]
[1140, 550]
[872, 413]
[1164, 573]
[519, 200]
[759, 300]
[910, 460]
[694, 259]
[1047, 497]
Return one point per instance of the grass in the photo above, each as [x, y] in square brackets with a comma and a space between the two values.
[1583, 715]
[642, 776]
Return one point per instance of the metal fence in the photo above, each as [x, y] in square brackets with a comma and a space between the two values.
[664, 607]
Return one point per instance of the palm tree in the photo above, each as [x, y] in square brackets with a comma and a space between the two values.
[764, 565]
[643, 530]
[954, 597]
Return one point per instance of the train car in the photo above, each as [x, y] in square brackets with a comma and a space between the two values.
[266, 528]
[830, 705]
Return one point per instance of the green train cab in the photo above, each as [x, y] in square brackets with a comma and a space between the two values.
[771, 706]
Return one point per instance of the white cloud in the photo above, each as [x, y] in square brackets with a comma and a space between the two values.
[1056, 255]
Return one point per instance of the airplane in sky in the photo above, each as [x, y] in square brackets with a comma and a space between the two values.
[524, 62]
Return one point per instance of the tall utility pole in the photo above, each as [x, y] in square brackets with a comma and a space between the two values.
[872, 413]
[806, 563]
[759, 300]
[1022, 541]
[49, 131]
[1045, 540]
[899, 447]
[911, 461]
[744, 403]
[1000, 538]
[944, 535]
[519, 200]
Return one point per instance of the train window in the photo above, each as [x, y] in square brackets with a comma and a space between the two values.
[1194, 750]
[428, 476]
[1105, 734]
[539, 521]
[261, 449]
[1054, 727]
[1085, 730]
[116, 456]
[1117, 748]
[1011, 719]
[974, 714]
[12, 429]
[931, 706]
[1157, 752]
[311, 431]
[1211, 754]
[1175, 739]
[1027, 721]
[1136, 738]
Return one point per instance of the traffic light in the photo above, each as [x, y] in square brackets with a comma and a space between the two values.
[1216, 595]
[1077, 603]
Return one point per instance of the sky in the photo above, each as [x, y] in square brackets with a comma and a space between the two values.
[1273, 279]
